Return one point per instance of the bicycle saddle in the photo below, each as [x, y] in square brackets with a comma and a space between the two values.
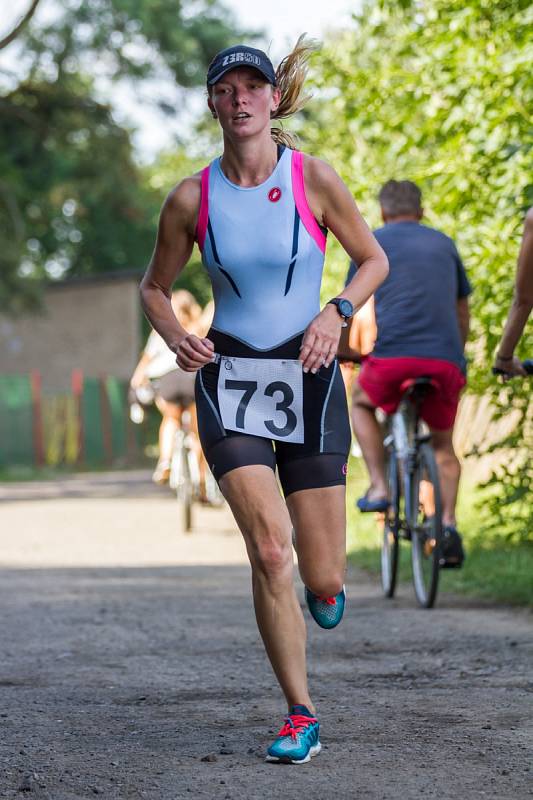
[418, 385]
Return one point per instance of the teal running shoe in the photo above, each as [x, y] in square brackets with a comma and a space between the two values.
[298, 740]
[326, 611]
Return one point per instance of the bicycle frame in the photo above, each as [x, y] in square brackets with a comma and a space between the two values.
[404, 438]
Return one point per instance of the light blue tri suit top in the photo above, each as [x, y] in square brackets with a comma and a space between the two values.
[264, 252]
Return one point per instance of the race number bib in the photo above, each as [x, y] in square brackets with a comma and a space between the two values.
[263, 397]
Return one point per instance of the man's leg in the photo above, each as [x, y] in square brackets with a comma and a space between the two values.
[369, 435]
[170, 424]
[449, 472]
[261, 514]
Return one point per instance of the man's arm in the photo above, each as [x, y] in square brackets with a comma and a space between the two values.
[463, 316]
[521, 306]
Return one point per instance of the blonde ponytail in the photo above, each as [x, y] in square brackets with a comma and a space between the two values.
[290, 78]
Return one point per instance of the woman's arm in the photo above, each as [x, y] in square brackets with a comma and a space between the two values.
[334, 207]
[521, 306]
[175, 240]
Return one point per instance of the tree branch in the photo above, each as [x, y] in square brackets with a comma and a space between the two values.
[17, 29]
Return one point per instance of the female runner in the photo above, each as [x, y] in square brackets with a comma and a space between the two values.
[269, 392]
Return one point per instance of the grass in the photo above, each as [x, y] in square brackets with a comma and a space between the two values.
[494, 569]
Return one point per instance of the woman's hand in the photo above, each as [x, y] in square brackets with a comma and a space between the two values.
[321, 340]
[192, 353]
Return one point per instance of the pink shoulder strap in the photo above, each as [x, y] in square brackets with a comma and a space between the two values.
[203, 214]
[298, 189]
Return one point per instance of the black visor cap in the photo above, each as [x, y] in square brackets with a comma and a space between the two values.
[240, 56]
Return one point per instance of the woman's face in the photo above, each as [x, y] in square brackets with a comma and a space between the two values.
[243, 102]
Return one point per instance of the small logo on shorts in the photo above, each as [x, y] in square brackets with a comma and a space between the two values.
[345, 469]
[274, 194]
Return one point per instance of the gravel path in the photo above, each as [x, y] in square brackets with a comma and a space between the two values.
[130, 667]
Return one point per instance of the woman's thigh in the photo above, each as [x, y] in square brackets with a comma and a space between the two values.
[254, 497]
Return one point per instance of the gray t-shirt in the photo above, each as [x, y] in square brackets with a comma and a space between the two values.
[416, 305]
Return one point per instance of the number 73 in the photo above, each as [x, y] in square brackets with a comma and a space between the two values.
[249, 388]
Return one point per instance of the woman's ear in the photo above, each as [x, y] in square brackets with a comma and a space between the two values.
[276, 99]
[212, 108]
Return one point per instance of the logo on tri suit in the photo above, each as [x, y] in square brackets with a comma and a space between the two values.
[274, 194]
[345, 469]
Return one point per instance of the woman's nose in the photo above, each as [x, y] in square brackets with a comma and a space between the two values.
[239, 98]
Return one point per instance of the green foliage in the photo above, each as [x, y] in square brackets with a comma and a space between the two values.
[134, 38]
[439, 93]
[73, 200]
[71, 188]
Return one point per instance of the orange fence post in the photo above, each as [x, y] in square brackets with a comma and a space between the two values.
[37, 408]
[105, 411]
[76, 384]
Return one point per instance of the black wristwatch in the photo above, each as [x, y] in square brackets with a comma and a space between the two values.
[344, 307]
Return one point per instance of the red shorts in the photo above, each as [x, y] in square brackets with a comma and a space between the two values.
[381, 379]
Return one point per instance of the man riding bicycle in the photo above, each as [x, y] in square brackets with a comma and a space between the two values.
[422, 320]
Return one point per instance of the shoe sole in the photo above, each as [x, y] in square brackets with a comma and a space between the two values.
[313, 751]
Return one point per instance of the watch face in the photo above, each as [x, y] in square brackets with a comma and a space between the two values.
[346, 308]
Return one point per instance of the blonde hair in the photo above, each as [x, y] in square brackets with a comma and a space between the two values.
[290, 78]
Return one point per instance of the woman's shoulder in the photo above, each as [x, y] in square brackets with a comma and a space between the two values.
[318, 173]
[183, 201]
[186, 193]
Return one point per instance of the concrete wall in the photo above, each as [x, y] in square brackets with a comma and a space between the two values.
[92, 325]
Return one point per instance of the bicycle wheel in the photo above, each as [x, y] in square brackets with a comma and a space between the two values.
[426, 526]
[184, 489]
[212, 490]
[390, 544]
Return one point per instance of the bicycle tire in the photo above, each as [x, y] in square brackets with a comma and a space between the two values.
[390, 544]
[426, 531]
[185, 491]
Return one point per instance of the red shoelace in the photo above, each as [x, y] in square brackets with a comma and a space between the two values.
[294, 724]
[330, 601]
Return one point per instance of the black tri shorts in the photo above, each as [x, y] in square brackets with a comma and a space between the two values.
[322, 458]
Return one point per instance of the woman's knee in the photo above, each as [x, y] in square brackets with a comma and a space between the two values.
[271, 556]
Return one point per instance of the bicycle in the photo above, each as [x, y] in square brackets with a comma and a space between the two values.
[410, 464]
[185, 474]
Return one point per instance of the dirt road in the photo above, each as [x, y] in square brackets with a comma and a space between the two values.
[130, 667]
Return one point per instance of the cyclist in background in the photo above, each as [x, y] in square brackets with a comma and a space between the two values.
[521, 306]
[173, 387]
[422, 320]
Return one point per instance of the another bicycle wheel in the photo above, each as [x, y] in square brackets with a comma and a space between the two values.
[185, 493]
[426, 526]
[390, 544]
